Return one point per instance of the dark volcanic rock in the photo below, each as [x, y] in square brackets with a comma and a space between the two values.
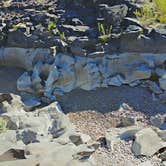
[31, 24]
[115, 14]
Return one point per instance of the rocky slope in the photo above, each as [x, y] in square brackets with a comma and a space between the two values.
[72, 26]
[51, 52]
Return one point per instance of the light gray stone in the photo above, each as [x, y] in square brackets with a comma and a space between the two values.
[146, 163]
[116, 134]
[139, 73]
[11, 103]
[24, 83]
[48, 153]
[163, 156]
[66, 81]
[88, 77]
[162, 82]
[64, 61]
[52, 77]
[147, 142]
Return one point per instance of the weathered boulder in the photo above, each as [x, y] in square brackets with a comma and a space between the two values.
[147, 142]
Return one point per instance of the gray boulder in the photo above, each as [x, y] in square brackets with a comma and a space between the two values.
[147, 142]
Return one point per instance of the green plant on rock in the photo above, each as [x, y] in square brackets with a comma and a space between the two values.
[105, 32]
[62, 35]
[52, 27]
[3, 125]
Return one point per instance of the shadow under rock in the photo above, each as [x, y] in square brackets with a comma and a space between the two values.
[109, 99]
[8, 79]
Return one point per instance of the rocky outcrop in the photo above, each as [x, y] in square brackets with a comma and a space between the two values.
[69, 72]
[44, 136]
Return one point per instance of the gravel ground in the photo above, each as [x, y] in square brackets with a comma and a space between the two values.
[95, 112]
[96, 124]
[122, 156]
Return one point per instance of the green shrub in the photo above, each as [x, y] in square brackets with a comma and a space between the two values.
[52, 27]
[152, 13]
[160, 6]
[146, 14]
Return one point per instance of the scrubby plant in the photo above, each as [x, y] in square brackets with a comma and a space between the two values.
[3, 125]
[160, 6]
[105, 32]
[62, 35]
[146, 14]
[152, 13]
[51, 26]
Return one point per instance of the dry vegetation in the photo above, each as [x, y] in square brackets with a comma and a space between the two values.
[152, 13]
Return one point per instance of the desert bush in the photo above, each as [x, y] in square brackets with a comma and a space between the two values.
[152, 13]
[160, 6]
[146, 14]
